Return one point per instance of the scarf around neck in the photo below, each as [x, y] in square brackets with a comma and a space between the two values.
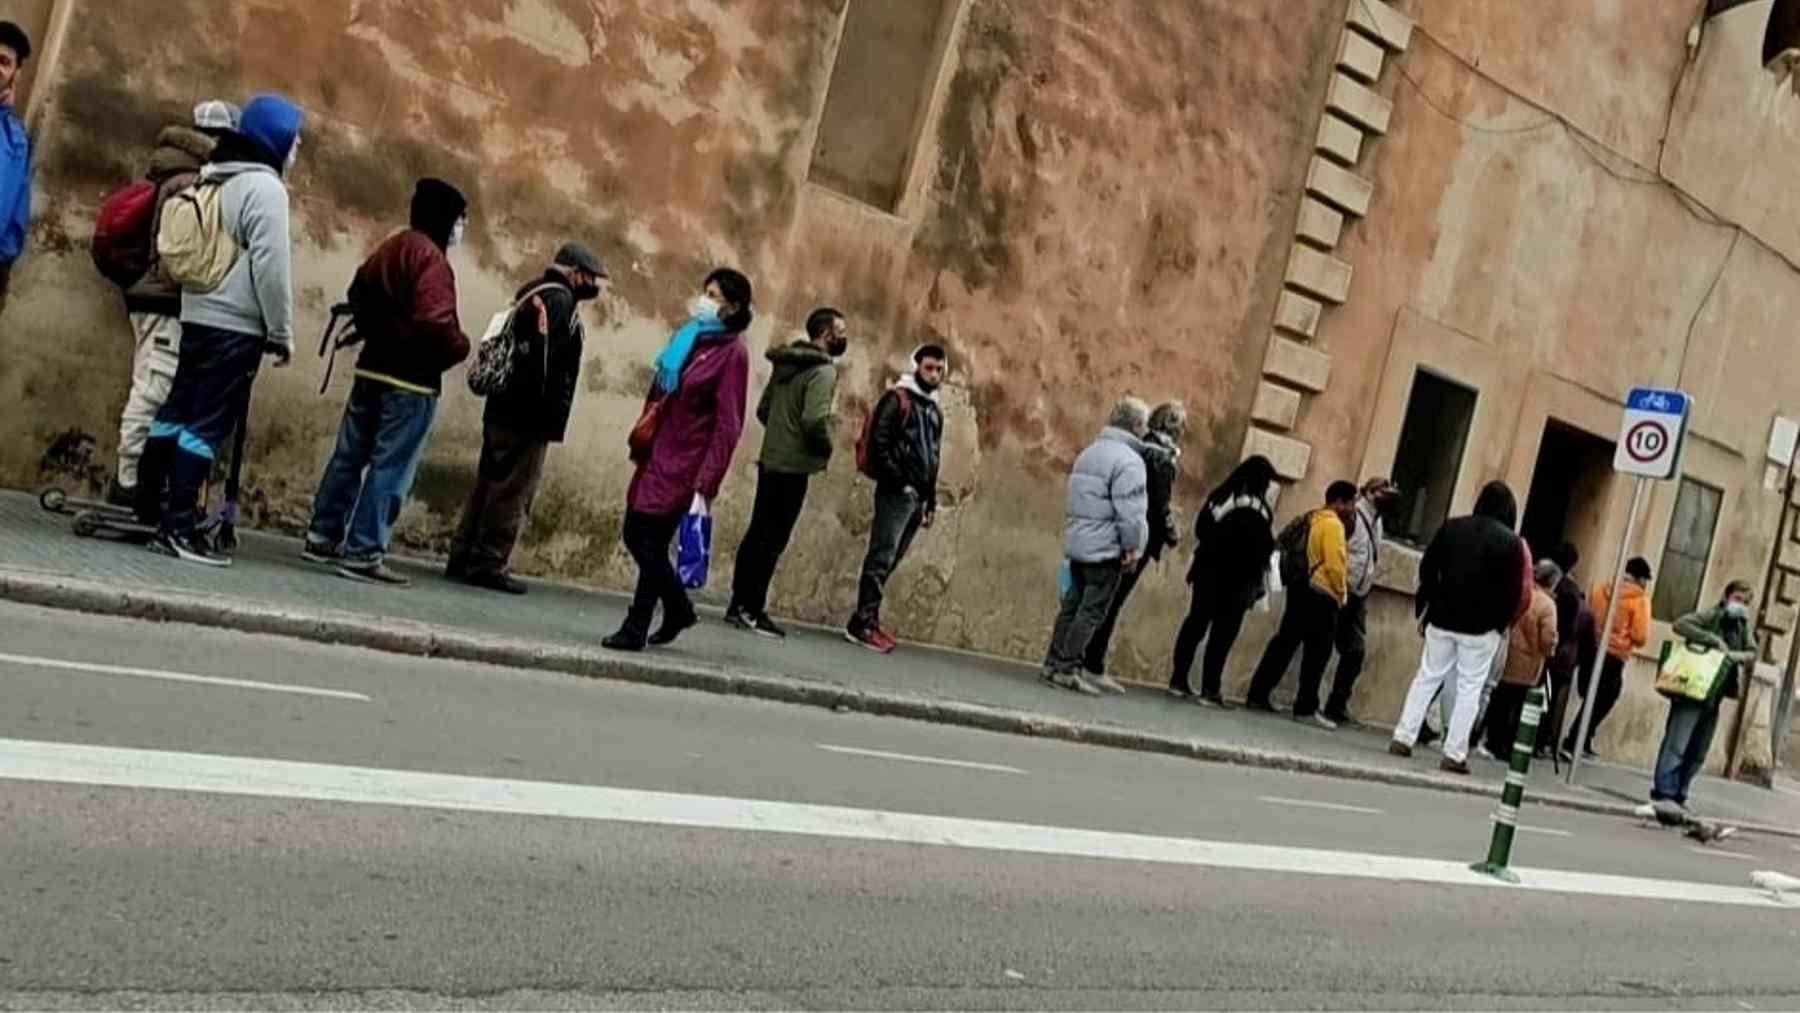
[674, 357]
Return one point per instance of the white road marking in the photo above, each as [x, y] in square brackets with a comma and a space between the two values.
[1546, 831]
[911, 758]
[63, 763]
[204, 680]
[1307, 804]
[1721, 853]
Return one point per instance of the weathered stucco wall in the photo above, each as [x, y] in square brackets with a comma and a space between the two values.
[1105, 200]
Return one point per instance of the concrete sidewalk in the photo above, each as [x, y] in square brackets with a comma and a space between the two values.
[271, 590]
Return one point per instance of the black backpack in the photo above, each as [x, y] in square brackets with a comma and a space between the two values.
[1295, 570]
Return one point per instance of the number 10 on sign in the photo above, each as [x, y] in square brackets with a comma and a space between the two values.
[1651, 436]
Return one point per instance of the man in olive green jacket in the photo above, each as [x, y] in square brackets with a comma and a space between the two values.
[796, 412]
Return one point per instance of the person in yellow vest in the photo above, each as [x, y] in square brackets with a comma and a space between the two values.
[1309, 621]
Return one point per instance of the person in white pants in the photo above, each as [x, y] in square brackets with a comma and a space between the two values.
[1472, 581]
[153, 302]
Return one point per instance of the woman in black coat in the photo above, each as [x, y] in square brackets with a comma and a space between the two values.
[1233, 539]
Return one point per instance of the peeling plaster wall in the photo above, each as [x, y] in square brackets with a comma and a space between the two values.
[1105, 205]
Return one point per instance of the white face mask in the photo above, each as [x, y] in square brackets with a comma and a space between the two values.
[704, 308]
[456, 232]
[1737, 610]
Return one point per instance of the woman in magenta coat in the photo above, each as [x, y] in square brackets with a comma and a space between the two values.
[702, 379]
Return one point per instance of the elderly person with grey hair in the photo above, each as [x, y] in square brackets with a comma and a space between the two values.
[1106, 530]
[1161, 451]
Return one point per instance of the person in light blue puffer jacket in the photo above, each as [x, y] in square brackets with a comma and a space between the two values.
[1105, 529]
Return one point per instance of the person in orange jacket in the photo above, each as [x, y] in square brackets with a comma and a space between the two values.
[1630, 631]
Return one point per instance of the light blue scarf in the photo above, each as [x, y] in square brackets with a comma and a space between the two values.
[674, 356]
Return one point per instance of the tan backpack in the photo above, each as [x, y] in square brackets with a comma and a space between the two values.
[197, 251]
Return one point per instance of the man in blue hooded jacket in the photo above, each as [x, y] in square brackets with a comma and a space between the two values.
[226, 332]
[15, 156]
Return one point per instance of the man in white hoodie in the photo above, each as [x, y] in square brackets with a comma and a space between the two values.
[226, 332]
[905, 436]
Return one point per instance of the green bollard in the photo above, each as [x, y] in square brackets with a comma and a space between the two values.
[1506, 818]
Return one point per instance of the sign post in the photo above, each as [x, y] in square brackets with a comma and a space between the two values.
[1650, 443]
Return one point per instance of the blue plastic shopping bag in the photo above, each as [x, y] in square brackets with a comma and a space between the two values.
[1065, 580]
[693, 552]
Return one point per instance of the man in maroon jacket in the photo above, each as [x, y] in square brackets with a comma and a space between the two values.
[405, 300]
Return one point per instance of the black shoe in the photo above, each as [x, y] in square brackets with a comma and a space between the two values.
[377, 574]
[316, 552]
[758, 623]
[1427, 736]
[672, 628]
[495, 580]
[624, 640]
[763, 626]
[1262, 706]
[1338, 718]
[190, 548]
[1214, 700]
[456, 569]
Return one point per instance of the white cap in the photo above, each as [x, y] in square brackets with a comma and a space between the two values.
[216, 115]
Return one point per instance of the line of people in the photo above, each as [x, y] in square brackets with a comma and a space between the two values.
[1493, 620]
[197, 353]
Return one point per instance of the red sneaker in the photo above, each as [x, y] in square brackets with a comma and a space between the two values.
[870, 639]
[888, 639]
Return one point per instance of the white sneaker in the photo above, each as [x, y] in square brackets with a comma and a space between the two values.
[1482, 751]
[1107, 683]
[1322, 721]
[1647, 811]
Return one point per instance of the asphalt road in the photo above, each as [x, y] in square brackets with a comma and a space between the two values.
[117, 896]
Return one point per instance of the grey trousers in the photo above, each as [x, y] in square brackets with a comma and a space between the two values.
[1083, 610]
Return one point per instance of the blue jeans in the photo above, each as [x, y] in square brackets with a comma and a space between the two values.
[370, 473]
[1686, 740]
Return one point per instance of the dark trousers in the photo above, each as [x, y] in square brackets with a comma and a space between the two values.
[1095, 658]
[1606, 693]
[208, 400]
[1686, 740]
[1505, 707]
[506, 481]
[1216, 616]
[779, 497]
[898, 514]
[648, 538]
[1307, 625]
[1083, 610]
[1352, 649]
[1561, 688]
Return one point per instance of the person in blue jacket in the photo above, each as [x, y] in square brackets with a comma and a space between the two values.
[15, 156]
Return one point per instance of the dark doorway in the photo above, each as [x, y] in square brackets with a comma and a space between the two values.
[1570, 489]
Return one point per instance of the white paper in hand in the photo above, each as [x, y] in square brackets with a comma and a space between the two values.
[497, 326]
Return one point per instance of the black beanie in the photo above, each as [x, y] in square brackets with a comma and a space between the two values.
[436, 206]
[13, 37]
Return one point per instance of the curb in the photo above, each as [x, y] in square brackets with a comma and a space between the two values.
[349, 629]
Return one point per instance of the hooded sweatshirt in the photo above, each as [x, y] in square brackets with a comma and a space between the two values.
[1469, 577]
[405, 298]
[180, 153]
[257, 296]
[796, 409]
[15, 188]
